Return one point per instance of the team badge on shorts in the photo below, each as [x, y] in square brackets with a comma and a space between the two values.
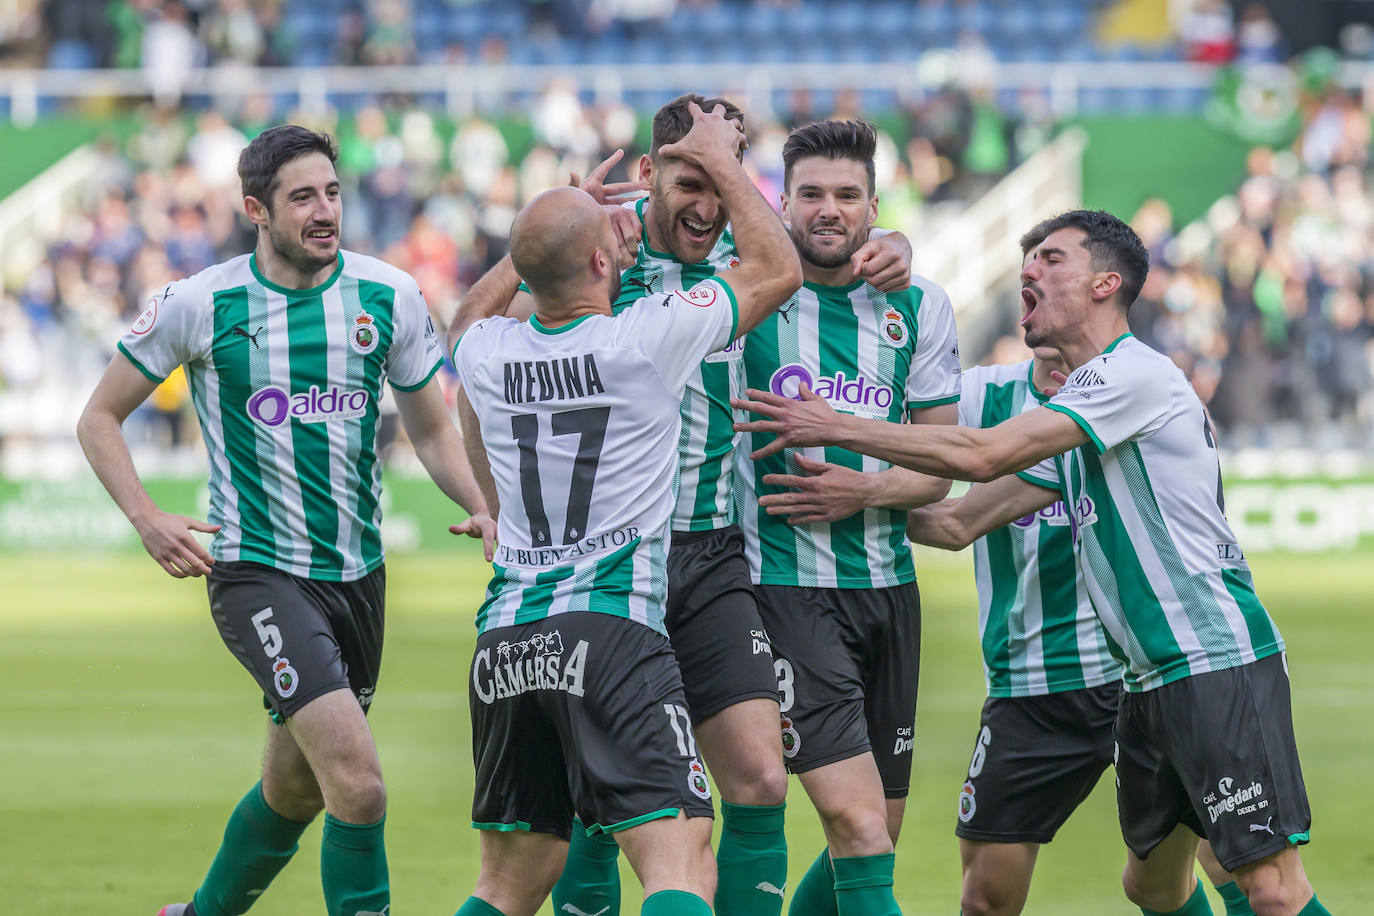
[894, 328]
[284, 677]
[363, 337]
[967, 803]
[696, 780]
[791, 739]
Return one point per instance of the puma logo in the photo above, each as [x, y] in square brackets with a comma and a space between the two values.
[384, 911]
[769, 888]
[1256, 828]
[254, 338]
[569, 908]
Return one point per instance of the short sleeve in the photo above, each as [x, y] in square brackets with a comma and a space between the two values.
[933, 378]
[415, 353]
[971, 398]
[1112, 397]
[1045, 474]
[167, 333]
[676, 331]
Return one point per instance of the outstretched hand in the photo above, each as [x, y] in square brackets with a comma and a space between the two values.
[481, 526]
[824, 493]
[806, 420]
[169, 541]
[616, 192]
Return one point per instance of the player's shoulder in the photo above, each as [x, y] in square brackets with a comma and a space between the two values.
[375, 270]
[201, 287]
[995, 374]
[932, 294]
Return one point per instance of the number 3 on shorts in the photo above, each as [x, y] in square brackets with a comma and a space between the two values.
[786, 695]
[267, 633]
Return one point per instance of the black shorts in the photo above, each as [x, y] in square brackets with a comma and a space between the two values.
[713, 623]
[300, 638]
[581, 711]
[847, 664]
[1216, 752]
[1034, 761]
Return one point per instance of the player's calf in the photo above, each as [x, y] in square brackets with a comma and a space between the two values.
[1277, 885]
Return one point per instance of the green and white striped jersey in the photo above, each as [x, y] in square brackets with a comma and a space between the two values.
[1162, 566]
[1037, 627]
[868, 353]
[708, 436]
[580, 425]
[285, 383]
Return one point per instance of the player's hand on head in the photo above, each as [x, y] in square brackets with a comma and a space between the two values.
[481, 526]
[822, 492]
[169, 541]
[711, 134]
[884, 263]
[806, 420]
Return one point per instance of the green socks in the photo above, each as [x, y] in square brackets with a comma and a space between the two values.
[1234, 898]
[258, 842]
[477, 907]
[751, 861]
[863, 885]
[353, 868]
[1197, 905]
[675, 903]
[815, 893]
[1314, 908]
[590, 882]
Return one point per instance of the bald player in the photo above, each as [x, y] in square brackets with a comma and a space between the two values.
[572, 421]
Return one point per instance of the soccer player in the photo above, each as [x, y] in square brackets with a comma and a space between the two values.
[286, 350]
[576, 698]
[1204, 735]
[722, 647]
[837, 591]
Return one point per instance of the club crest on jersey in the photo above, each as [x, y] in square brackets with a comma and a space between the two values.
[363, 335]
[791, 739]
[696, 780]
[284, 677]
[967, 803]
[894, 328]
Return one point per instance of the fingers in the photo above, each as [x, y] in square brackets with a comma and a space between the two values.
[574, 180]
[815, 467]
[771, 448]
[489, 542]
[197, 525]
[804, 393]
[599, 173]
[783, 480]
[1058, 376]
[623, 190]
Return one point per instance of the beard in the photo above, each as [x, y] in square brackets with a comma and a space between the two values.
[614, 282]
[293, 252]
[826, 259]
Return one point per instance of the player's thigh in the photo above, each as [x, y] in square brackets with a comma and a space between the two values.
[997, 876]
[356, 612]
[332, 732]
[671, 854]
[1164, 880]
[1034, 761]
[819, 665]
[519, 869]
[890, 618]
[713, 623]
[743, 748]
[278, 629]
[848, 796]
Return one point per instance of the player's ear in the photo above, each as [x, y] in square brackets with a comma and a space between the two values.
[1105, 284]
[872, 209]
[785, 210]
[256, 210]
[646, 172]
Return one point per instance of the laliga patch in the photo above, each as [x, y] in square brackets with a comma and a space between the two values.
[696, 780]
[791, 739]
[144, 323]
[967, 803]
[894, 328]
[284, 678]
[700, 296]
[363, 336]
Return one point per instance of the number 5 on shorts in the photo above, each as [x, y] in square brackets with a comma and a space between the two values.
[268, 633]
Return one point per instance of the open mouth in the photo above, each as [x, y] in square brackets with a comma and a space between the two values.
[696, 231]
[322, 236]
[822, 233]
[1029, 300]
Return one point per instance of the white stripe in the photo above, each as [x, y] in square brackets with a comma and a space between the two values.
[642, 582]
[336, 372]
[231, 530]
[982, 576]
[747, 501]
[1032, 661]
[817, 537]
[866, 360]
[298, 549]
[1231, 611]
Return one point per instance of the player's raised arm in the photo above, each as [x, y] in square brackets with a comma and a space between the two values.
[489, 296]
[769, 269]
[165, 536]
[953, 524]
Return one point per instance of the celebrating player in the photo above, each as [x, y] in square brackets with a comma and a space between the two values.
[1204, 736]
[286, 351]
[836, 590]
[578, 413]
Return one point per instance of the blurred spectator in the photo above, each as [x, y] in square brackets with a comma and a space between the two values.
[1258, 40]
[171, 51]
[1208, 32]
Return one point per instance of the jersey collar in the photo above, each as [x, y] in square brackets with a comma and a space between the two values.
[286, 291]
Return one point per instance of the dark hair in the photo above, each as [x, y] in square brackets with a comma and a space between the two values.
[674, 120]
[855, 140]
[262, 159]
[1112, 245]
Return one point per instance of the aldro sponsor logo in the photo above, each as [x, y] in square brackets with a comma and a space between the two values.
[1055, 515]
[1228, 799]
[533, 664]
[271, 406]
[858, 395]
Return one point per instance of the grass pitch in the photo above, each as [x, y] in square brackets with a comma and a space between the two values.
[130, 733]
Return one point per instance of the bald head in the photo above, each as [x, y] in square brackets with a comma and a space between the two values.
[562, 241]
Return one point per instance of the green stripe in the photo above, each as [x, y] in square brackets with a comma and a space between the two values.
[1087, 428]
[952, 399]
[502, 828]
[734, 306]
[1264, 636]
[1059, 601]
[422, 382]
[378, 300]
[309, 363]
[1003, 573]
[779, 559]
[1029, 478]
[847, 534]
[536, 600]
[232, 356]
[634, 821]
[839, 350]
[152, 377]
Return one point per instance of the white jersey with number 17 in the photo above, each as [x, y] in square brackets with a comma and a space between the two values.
[580, 424]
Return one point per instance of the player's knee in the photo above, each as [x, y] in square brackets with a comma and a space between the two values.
[762, 783]
[858, 830]
[360, 797]
[1270, 896]
[1145, 894]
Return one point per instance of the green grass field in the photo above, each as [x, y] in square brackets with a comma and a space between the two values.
[130, 732]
